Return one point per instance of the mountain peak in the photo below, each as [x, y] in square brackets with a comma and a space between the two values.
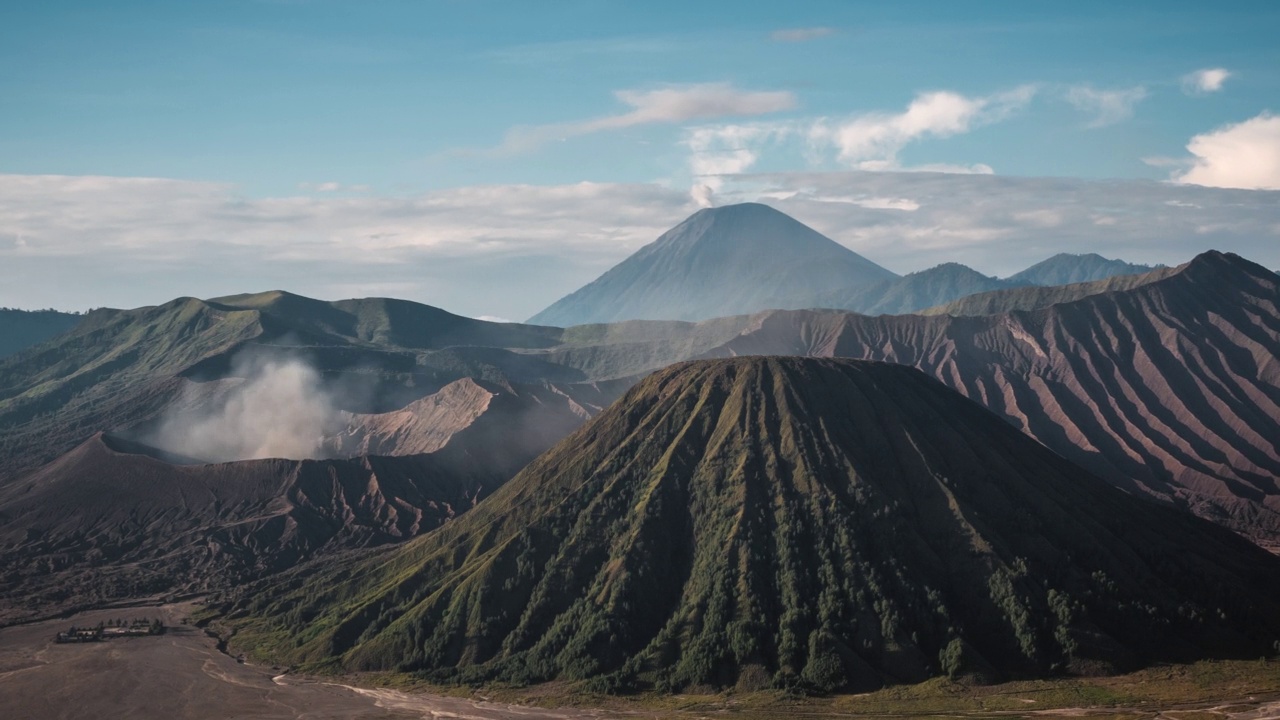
[730, 260]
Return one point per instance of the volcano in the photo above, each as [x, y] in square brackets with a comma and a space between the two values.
[783, 522]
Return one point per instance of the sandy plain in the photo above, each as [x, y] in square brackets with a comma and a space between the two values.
[182, 675]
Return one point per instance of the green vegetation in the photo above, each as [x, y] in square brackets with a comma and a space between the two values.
[784, 524]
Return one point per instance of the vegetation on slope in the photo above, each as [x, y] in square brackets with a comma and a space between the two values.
[758, 522]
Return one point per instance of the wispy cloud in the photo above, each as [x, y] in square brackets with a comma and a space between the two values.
[873, 141]
[675, 104]
[1243, 155]
[866, 141]
[796, 35]
[1107, 107]
[1202, 82]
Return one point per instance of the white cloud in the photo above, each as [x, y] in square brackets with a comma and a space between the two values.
[1208, 80]
[664, 105]
[717, 151]
[873, 141]
[868, 141]
[1107, 107]
[1243, 155]
[795, 35]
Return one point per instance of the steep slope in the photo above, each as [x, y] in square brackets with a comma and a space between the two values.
[1033, 297]
[1066, 269]
[20, 329]
[516, 419]
[832, 524]
[914, 292]
[1170, 388]
[114, 520]
[720, 261]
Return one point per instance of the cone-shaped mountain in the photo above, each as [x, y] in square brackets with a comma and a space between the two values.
[781, 521]
[720, 261]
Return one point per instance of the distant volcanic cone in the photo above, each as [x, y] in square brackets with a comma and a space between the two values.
[759, 521]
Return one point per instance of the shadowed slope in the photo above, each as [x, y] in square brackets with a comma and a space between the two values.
[114, 520]
[756, 521]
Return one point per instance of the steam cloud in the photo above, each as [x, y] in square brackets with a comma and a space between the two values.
[281, 409]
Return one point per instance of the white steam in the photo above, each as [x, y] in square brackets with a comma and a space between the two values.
[279, 410]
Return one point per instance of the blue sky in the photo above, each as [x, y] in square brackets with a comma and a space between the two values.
[283, 113]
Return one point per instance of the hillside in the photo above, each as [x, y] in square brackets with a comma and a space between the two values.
[20, 329]
[785, 522]
[1067, 269]
[720, 261]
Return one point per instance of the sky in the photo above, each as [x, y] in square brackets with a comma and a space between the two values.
[490, 157]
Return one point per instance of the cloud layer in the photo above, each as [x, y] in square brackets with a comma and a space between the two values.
[508, 251]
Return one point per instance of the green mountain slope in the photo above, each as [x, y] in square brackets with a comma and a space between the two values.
[830, 524]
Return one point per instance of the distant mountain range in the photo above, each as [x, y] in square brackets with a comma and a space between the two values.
[20, 329]
[750, 257]
[782, 523]
[1065, 269]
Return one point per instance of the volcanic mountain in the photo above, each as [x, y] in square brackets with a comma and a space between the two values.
[113, 519]
[720, 261]
[832, 524]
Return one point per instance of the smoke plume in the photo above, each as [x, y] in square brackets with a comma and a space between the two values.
[279, 409]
